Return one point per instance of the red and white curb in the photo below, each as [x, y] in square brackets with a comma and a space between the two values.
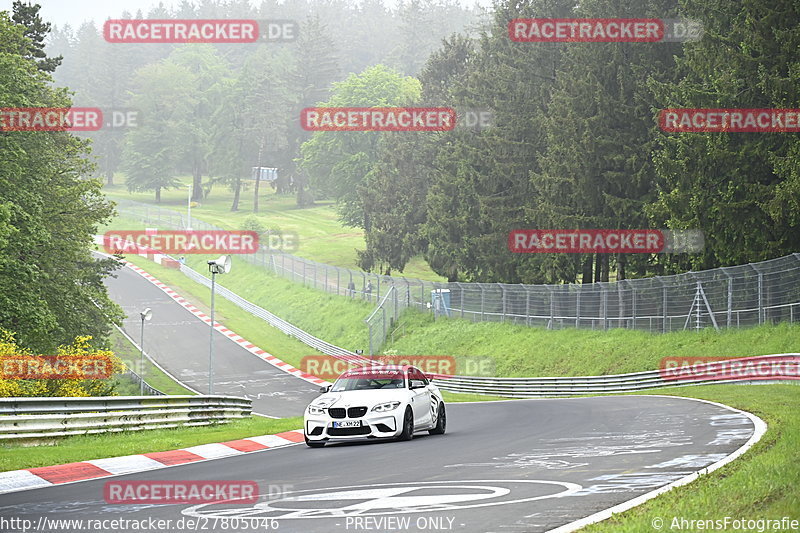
[244, 343]
[46, 476]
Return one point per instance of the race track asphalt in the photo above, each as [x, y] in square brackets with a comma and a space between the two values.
[516, 466]
[178, 340]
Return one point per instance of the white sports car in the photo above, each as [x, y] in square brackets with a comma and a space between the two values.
[385, 401]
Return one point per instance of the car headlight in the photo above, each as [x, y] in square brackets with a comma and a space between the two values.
[314, 410]
[383, 407]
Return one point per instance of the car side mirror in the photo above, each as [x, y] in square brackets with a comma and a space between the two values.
[325, 389]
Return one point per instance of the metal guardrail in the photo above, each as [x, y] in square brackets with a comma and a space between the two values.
[137, 380]
[572, 386]
[44, 418]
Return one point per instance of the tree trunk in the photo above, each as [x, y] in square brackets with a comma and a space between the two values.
[197, 184]
[604, 263]
[598, 267]
[621, 260]
[110, 177]
[237, 189]
[158, 195]
[587, 269]
[255, 193]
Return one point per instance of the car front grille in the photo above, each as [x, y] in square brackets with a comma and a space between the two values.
[347, 432]
[336, 412]
[356, 412]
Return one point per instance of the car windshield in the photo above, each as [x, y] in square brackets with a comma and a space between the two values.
[362, 382]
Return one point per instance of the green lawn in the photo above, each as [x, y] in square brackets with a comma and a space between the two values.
[320, 234]
[151, 373]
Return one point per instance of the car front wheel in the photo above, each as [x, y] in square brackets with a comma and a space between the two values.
[408, 426]
[441, 422]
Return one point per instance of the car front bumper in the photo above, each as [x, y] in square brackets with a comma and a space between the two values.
[373, 425]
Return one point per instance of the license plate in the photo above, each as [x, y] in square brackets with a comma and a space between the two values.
[347, 424]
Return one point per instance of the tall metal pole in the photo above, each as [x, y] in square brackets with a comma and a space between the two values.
[141, 359]
[211, 339]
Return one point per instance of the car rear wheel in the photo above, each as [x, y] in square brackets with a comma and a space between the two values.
[408, 426]
[314, 443]
[441, 422]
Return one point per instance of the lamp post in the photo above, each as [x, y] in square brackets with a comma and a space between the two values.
[147, 314]
[215, 266]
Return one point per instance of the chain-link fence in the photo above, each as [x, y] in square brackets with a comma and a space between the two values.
[738, 296]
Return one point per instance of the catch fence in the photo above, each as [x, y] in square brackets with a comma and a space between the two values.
[730, 297]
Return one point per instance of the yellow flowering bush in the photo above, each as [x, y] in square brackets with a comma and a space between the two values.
[65, 373]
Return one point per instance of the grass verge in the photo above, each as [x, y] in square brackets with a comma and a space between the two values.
[87, 447]
[761, 484]
[151, 373]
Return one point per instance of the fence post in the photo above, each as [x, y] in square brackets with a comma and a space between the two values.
[461, 291]
[633, 304]
[730, 299]
[604, 300]
[663, 306]
[383, 314]
[552, 307]
[371, 353]
[483, 298]
[527, 306]
[503, 298]
[578, 307]
[760, 298]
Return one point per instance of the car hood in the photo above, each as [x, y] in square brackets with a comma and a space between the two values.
[361, 397]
